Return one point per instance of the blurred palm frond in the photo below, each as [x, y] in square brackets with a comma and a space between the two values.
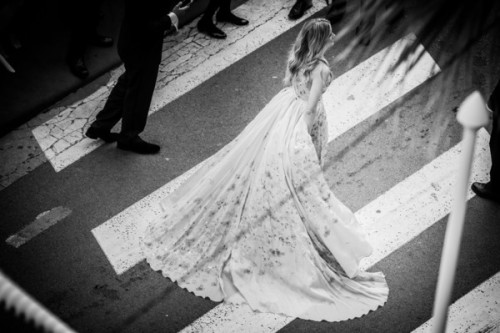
[458, 24]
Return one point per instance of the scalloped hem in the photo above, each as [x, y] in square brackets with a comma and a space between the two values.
[185, 287]
[321, 318]
[358, 313]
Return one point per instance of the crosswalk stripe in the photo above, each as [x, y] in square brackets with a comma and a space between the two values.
[354, 95]
[477, 311]
[391, 220]
[42, 222]
[62, 137]
[118, 237]
[419, 201]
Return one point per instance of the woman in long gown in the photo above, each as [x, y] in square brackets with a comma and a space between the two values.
[258, 224]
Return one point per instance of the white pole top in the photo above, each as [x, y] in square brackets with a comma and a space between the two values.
[472, 113]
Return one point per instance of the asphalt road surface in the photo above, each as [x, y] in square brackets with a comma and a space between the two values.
[70, 226]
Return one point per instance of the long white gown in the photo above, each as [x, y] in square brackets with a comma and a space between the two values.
[258, 223]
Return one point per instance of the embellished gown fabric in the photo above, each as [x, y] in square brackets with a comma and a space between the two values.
[258, 224]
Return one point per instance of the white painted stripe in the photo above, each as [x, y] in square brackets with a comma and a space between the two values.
[42, 222]
[419, 201]
[118, 237]
[189, 59]
[359, 93]
[391, 220]
[476, 312]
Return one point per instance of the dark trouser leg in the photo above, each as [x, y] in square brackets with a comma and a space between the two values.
[308, 2]
[224, 14]
[212, 7]
[494, 104]
[113, 109]
[225, 7]
[299, 8]
[141, 81]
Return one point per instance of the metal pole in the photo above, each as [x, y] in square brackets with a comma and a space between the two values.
[472, 115]
[6, 64]
[15, 297]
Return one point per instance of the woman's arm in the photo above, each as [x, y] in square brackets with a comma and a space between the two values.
[317, 86]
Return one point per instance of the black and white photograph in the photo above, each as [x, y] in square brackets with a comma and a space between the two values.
[250, 166]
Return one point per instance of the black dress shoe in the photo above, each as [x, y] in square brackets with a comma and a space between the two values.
[484, 191]
[210, 29]
[231, 18]
[137, 145]
[298, 9]
[78, 67]
[102, 41]
[107, 136]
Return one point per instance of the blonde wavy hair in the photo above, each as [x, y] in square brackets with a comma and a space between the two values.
[306, 49]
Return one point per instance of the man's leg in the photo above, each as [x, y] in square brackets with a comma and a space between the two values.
[80, 24]
[206, 24]
[491, 190]
[494, 104]
[212, 7]
[111, 113]
[224, 14]
[299, 8]
[141, 81]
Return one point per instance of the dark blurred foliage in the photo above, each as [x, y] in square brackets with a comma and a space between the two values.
[462, 34]
[462, 22]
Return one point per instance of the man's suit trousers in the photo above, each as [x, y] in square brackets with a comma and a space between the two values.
[130, 100]
[494, 104]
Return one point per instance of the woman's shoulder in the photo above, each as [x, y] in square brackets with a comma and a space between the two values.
[322, 69]
[323, 65]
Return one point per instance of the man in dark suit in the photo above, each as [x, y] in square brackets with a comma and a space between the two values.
[140, 47]
[491, 190]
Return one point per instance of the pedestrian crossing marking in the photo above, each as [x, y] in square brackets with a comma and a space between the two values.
[369, 86]
[390, 221]
[477, 311]
[424, 198]
[118, 237]
[62, 137]
[42, 222]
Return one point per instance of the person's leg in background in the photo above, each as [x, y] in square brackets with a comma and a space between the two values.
[206, 23]
[111, 113]
[225, 15]
[494, 105]
[141, 81]
[299, 8]
[84, 21]
[129, 101]
[491, 190]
